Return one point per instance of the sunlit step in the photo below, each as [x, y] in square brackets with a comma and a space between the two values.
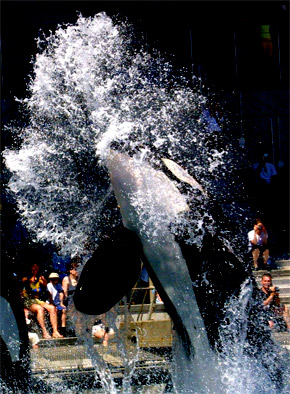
[283, 264]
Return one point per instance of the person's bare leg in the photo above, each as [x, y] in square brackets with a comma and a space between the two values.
[106, 339]
[53, 319]
[107, 336]
[266, 256]
[39, 311]
[256, 254]
[26, 313]
[63, 318]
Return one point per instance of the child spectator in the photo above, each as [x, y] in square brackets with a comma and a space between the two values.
[32, 336]
[102, 332]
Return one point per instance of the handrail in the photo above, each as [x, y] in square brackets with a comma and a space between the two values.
[152, 299]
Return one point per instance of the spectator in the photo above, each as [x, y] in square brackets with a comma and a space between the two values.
[102, 332]
[34, 287]
[32, 336]
[158, 299]
[57, 295]
[258, 222]
[277, 314]
[33, 339]
[265, 170]
[258, 244]
[60, 263]
[69, 282]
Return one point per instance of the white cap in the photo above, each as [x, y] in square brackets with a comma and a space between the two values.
[53, 275]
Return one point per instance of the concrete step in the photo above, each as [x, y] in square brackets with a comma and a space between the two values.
[285, 301]
[276, 274]
[283, 289]
[58, 342]
[283, 264]
[282, 281]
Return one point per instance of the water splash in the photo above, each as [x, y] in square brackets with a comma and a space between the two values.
[92, 90]
[241, 372]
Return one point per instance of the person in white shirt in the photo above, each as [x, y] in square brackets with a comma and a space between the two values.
[101, 332]
[265, 169]
[258, 240]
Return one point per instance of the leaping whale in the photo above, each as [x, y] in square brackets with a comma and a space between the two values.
[149, 203]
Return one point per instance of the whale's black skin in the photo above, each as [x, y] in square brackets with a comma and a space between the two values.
[120, 253]
[223, 275]
[15, 371]
[115, 266]
[110, 273]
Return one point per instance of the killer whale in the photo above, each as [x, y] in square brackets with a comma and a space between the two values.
[166, 259]
[121, 252]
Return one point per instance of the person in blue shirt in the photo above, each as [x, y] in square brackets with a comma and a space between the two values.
[57, 295]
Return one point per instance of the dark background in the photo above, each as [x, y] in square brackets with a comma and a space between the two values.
[211, 37]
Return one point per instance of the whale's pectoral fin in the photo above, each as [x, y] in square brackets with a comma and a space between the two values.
[110, 274]
[183, 175]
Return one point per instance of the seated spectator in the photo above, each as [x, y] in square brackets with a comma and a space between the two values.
[258, 222]
[32, 336]
[34, 288]
[258, 244]
[158, 299]
[69, 282]
[277, 314]
[33, 340]
[57, 295]
[102, 332]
